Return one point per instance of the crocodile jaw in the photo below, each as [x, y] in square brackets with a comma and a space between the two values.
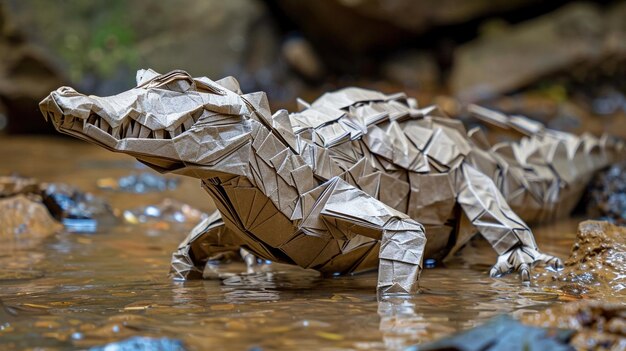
[169, 130]
[71, 113]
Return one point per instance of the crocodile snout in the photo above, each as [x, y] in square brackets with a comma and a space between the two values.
[72, 112]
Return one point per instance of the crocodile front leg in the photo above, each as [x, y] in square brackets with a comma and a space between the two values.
[509, 236]
[402, 239]
[209, 240]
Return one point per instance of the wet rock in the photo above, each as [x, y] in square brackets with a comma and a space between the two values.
[24, 223]
[502, 334]
[65, 201]
[597, 325]
[139, 343]
[24, 220]
[139, 183]
[607, 195]
[15, 185]
[78, 211]
[598, 261]
[500, 63]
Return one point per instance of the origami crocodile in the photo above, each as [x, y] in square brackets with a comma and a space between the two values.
[355, 181]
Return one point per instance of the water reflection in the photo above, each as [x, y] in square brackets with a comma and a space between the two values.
[76, 291]
[105, 288]
[267, 282]
[400, 324]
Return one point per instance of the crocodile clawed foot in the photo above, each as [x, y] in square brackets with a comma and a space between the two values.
[521, 259]
[250, 259]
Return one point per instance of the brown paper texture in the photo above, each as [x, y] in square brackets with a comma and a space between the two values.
[354, 181]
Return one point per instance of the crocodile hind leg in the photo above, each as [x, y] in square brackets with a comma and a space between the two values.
[509, 236]
[402, 239]
[209, 241]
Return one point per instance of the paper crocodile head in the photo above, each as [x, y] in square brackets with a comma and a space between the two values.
[171, 122]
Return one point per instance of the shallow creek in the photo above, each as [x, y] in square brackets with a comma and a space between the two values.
[79, 290]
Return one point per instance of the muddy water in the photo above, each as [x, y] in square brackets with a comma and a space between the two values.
[74, 291]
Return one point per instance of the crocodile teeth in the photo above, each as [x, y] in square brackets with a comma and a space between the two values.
[115, 132]
[178, 131]
[123, 127]
[68, 121]
[131, 129]
[92, 119]
[196, 115]
[188, 123]
[79, 124]
[134, 133]
[159, 134]
[105, 126]
[128, 127]
[57, 119]
[145, 132]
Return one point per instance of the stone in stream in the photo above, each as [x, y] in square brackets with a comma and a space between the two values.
[24, 222]
[502, 334]
[139, 183]
[14, 185]
[597, 263]
[607, 195]
[168, 210]
[597, 325]
[598, 257]
[140, 343]
[77, 210]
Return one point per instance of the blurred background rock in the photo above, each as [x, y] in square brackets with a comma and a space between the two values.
[557, 61]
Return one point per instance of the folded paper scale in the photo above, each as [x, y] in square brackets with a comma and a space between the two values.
[356, 180]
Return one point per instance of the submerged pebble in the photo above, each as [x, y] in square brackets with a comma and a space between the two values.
[76, 210]
[139, 183]
[168, 210]
[79, 211]
[15, 185]
[501, 334]
[139, 343]
[598, 325]
[430, 263]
